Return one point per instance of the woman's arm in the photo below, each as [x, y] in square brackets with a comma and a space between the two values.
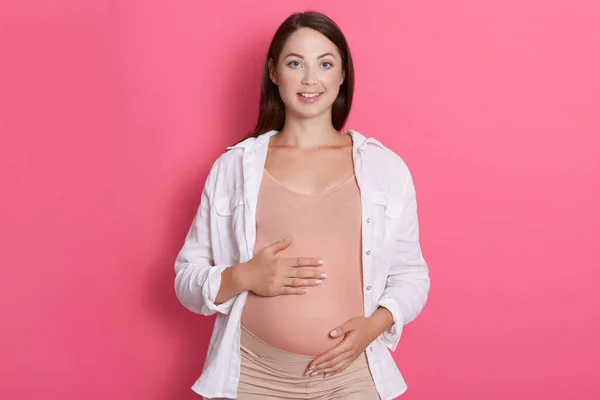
[197, 279]
[205, 288]
[231, 284]
[408, 282]
[381, 320]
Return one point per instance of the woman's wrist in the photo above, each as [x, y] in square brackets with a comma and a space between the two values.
[241, 276]
[233, 282]
[381, 321]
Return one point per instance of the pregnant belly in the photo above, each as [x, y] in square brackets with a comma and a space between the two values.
[301, 323]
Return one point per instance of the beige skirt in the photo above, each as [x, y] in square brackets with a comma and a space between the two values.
[267, 372]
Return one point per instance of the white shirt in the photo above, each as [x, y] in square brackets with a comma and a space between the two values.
[223, 233]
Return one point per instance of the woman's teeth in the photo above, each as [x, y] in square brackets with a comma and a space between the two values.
[309, 95]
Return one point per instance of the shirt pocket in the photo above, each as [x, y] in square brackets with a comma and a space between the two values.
[385, 216]
[229, 227]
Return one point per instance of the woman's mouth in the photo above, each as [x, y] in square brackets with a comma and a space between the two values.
[307, 97]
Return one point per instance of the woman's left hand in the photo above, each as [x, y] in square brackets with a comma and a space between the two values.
[358, 335]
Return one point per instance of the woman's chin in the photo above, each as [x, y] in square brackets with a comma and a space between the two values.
[304, 112]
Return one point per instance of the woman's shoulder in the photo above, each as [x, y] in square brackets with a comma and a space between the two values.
[227, 163]
[232, 154]
[377, 151]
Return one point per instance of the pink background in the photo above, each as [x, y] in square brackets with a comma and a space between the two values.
[111, 114]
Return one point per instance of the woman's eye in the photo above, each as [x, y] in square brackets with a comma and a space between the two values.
[294, 64]
[329, 65]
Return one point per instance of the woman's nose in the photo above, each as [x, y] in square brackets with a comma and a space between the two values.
[309, 77]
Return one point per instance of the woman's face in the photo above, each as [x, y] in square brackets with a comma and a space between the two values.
[308, 74]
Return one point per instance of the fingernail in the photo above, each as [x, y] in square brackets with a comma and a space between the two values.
[304, 290]
[323, 275]
[320, 262]
[333, 333]
[309, 372]
[287, 239]
[317, 281]
[314, 373]
[327, 374]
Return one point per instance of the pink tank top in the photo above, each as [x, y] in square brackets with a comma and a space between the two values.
[325, 225]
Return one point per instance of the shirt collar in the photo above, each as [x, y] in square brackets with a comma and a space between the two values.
[252, 143]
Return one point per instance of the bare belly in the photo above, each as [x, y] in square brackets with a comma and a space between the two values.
[301, 323]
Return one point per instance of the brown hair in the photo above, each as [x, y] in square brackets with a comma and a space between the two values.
[271, 114]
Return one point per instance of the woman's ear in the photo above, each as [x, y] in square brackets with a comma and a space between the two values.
[272, 73]
[343, 77]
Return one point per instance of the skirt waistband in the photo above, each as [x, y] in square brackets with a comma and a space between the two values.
[260, 348]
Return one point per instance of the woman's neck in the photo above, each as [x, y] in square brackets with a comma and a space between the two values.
[307, 133]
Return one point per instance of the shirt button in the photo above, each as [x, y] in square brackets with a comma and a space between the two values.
[368, 252]
[368, 220]
[371, 348]
[368, 287]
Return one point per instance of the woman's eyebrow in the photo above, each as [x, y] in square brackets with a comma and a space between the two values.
[299, 56]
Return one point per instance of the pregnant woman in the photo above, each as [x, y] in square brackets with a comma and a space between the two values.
[306, 241]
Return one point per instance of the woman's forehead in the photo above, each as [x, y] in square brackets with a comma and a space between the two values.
[309, 43]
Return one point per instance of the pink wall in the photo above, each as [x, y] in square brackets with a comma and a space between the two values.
[111, 115]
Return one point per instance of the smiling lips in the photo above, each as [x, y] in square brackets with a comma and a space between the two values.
[309, 97]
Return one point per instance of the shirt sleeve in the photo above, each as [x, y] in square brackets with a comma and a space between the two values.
[197, 279]
[407, 285]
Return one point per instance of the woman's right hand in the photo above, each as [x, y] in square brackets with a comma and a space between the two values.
[267, 274]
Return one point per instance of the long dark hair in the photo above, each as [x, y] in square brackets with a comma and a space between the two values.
[271, 114]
